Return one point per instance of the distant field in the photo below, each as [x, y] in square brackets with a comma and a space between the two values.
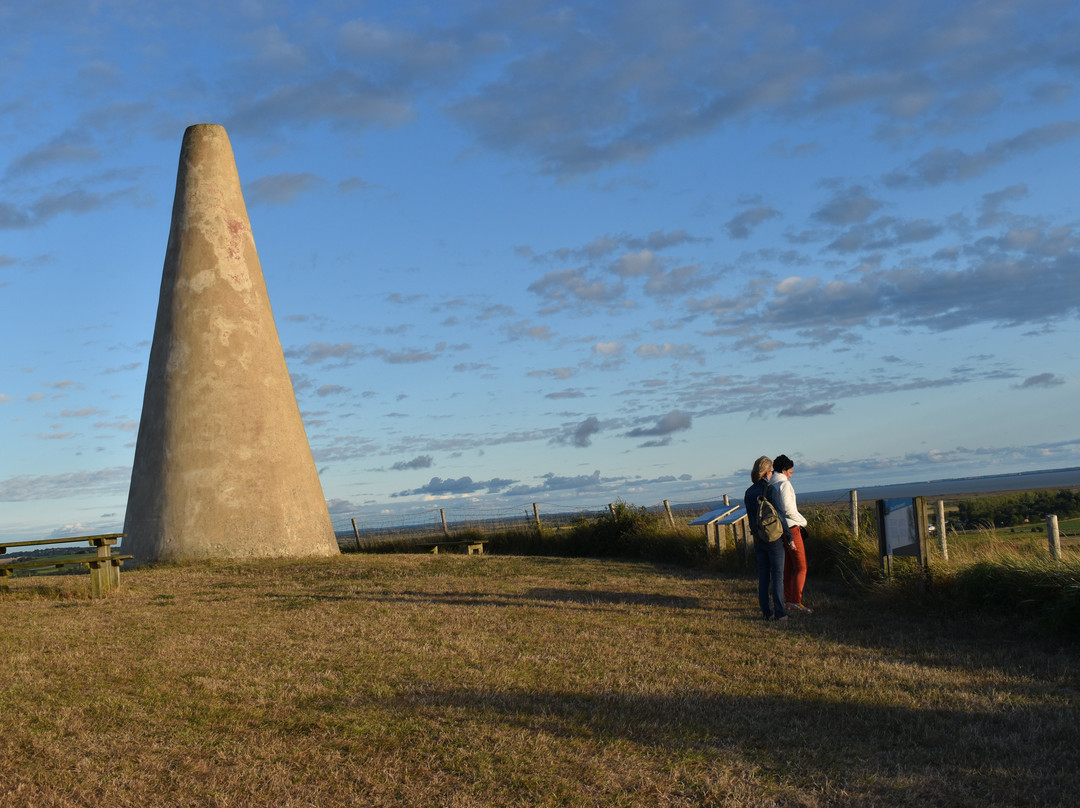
[1025, 541]
[466, 681]
[1066, 527]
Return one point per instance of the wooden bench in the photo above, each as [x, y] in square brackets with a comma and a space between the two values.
[474, 545]
[103, 565]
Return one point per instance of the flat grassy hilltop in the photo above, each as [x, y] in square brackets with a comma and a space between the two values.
[386, 680]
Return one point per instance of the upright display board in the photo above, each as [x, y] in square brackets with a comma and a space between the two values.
[902, 529]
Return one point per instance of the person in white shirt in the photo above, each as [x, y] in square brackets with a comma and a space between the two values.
[795, 550]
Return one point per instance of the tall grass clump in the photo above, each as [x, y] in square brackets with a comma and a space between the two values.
[630, 531]
[627, 531]
[379, 546]
[1042, 589]
[987, 543]
[835, 551]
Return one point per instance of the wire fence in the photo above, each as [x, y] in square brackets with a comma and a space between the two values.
[356, 530]
[417, 524]
[360, 530]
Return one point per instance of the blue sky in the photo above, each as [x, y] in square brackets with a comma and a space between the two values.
[561, 253]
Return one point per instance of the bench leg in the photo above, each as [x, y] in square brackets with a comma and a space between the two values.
[99, 579]
[114, 575]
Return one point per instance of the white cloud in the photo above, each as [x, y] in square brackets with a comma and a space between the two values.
[609, 349]
[669, 350]
[280, 189]
[674, 421]
[28, 487]
[635, 265]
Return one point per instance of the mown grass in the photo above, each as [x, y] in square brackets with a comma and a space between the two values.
[989, 568]
[480, 681]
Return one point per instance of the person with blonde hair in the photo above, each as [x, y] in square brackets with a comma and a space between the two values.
[769, 555]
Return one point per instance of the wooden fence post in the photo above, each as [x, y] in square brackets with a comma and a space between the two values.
[536, 518]
[1053, 538]
[854, 495]
[727, 501]
[941, 529]
[356, 533]
[670, 518]
[611, 507]
[442, 514]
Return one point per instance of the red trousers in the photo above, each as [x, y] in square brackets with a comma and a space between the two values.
[794, 567]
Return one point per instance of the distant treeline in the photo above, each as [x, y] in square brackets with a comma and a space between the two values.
[1016, 509]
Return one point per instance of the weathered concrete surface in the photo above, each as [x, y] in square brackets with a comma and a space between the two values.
[222, 464]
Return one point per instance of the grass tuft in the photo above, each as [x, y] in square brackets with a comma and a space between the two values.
[1046, 590]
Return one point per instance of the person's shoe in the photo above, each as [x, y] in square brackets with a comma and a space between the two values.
[798, 607]
[783, 619]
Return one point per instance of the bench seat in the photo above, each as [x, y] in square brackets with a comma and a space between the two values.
[104, 566]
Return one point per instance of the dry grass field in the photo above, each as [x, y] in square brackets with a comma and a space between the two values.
[409, 680]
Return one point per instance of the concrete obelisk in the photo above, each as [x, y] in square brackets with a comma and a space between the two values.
[222, 463]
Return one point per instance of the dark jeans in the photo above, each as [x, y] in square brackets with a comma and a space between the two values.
[770, 567]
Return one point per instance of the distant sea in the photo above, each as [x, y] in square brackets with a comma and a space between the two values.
[990, 483]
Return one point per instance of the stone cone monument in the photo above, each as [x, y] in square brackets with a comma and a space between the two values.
[222, 464]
